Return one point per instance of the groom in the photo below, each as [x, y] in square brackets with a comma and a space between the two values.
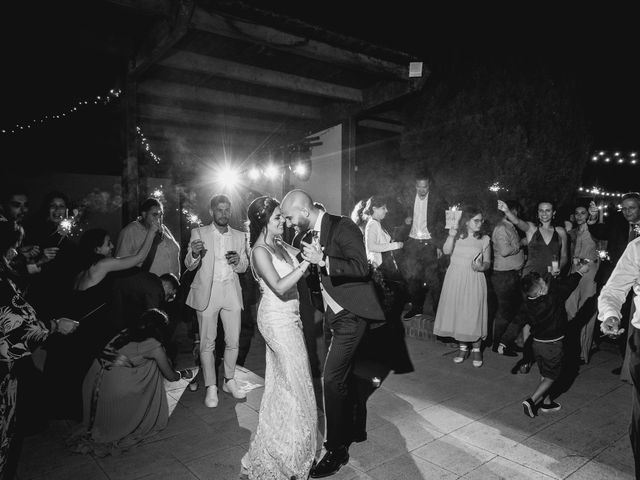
[351, 306]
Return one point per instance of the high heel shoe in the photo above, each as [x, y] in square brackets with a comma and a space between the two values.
[463, 353]
[476, 356]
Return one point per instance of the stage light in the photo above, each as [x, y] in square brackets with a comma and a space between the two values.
[271, 172]
[254, 174]
[228, 177]
[300, 169]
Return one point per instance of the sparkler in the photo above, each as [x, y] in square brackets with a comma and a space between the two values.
[603, 255]
[495, 187]
[157, 193]
[64, 229]
[191, 217]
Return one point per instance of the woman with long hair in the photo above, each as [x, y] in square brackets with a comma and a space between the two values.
[124, 398]
[285, 441]
[69, 358]
[357, 214]
[462, 311]
[547, 243]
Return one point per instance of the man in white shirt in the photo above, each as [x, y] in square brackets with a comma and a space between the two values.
[626, 276]
[423, 247]
[219, 253]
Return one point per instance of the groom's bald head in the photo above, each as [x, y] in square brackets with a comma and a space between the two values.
[298, 209]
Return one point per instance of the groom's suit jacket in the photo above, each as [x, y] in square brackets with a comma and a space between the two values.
[200, 291]
[348, 279]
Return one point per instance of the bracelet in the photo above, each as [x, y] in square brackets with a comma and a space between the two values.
[196, 341]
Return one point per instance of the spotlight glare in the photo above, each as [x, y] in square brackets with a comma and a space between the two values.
[300, 170]
[228, 177]
[254, 174]
[271, 172]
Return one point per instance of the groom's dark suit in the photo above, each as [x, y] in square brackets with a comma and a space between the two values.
[346, 280]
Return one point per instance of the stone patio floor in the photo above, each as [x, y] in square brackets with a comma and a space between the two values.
[443, 421]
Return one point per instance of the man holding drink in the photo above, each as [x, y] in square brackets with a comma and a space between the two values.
[219, 253]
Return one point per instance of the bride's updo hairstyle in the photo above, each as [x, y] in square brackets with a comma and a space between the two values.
[259, 213]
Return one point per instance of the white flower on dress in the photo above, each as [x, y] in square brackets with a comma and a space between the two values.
[9, 320]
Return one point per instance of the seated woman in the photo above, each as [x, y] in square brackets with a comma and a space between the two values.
[124, 399]
[69, 358]
[20, 333]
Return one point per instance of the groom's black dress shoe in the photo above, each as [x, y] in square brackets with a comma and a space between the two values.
[332, 461]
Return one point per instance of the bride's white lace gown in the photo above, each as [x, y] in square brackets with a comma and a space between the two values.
[284, 445]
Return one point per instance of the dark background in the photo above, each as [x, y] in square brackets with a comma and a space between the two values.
[57, 53]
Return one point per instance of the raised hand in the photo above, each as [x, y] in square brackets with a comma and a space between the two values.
[197, 247]
[502, 206]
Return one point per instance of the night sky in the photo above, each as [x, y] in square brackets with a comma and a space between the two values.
[48, 49]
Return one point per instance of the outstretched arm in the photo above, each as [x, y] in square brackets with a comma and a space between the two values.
[107, 265]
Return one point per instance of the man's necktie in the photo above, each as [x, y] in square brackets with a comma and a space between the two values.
[633, 233]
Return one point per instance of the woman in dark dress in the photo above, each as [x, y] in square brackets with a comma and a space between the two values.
[21, 332]
[71, 357]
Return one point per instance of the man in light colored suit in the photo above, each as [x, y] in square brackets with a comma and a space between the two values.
[220, 252]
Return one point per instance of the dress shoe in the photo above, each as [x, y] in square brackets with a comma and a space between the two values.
[211, 398]
[506, 351]
[332, 461]
[231, 386]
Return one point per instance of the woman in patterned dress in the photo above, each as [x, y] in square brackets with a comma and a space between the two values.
[20, 333]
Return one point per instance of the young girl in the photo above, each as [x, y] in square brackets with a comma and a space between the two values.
[462, 311]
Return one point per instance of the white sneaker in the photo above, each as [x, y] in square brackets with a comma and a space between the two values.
[211, 398]
[231, 386]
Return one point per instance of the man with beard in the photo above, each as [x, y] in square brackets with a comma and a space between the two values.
[351, 307]
[219, 253]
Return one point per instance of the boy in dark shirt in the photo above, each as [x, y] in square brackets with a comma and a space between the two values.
[546, 313]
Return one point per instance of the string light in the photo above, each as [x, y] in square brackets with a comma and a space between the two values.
[147, 147]
[620, 157]
[600, 192]
[100, 99]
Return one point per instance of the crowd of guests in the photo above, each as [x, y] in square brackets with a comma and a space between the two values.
[523, 287]
[96, 321]
[72, 311]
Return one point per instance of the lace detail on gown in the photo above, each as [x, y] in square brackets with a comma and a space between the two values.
[284, 445]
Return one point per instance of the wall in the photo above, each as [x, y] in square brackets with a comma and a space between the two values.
[324, 184]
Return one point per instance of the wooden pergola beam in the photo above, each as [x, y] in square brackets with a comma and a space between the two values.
[220, 120]
[381, 125]
[195, 62]
[303, 46]
[216, 98]
[167, 35]
[213, 136]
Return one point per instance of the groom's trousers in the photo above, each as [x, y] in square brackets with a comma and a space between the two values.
[223, 302]
[347, 330]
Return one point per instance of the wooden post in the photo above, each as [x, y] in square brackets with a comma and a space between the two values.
[130, 171]
[348, 165]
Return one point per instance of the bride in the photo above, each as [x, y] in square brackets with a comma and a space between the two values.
[284, 445]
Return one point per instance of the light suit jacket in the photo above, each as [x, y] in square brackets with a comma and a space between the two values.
[200, 291]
